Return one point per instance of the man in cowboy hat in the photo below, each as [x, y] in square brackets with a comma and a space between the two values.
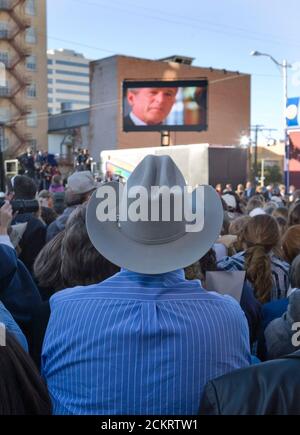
[145, 341]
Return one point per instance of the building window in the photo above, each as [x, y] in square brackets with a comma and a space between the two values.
[77, 64]
[31, 63]
[50, 91]
[32, 119]
[33, 144]
[72, 82]
[71, 73]
[50, 61]
[31, 90]
[30, 7]
[31, 36]
[4, 57]
[3, 29]
[5, 115]
[60, 100]
[70, 91]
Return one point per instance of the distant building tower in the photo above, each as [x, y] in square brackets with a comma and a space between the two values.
[23, 94]
[68, 80]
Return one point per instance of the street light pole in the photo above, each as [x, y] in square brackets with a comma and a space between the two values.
[284, 66]
[285, 137]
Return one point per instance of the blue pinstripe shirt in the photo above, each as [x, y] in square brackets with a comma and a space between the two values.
[140, 344]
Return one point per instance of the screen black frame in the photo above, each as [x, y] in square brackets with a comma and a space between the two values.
[128, 84]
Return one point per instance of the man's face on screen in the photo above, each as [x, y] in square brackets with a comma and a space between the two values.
[152, 105]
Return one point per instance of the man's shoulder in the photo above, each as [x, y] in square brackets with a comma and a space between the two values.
[89, 292]
[128, 121]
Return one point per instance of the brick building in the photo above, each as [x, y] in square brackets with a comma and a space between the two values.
[228, 102]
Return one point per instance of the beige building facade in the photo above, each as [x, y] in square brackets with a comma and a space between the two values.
[228, 102]
[23, 92]
[68, 81]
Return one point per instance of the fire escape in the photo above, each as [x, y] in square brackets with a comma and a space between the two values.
[13, 93]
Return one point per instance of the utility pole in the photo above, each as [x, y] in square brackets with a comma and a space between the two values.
[2, 172]
[256, 129]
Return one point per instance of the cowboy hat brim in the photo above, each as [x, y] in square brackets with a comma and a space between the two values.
[152, 259]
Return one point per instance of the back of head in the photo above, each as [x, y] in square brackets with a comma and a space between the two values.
[198, 269]
[81, 263]
[236, 228]
[24, 187]
[47, 265]
[253, 203]
[80, 186]
[296, 195]
[260, 236]
[291, 243]
[294, 215]
[295, 273]
[56, 180]
[238, 224]
[22, 390]
[281, 212]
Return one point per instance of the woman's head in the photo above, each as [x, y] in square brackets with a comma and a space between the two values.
[255, 202]
[261, 230]
[260, 236]
[281, 212]
[294, 215]
[22, 390]
[81, 263]
[56, 180]
[47, 265]
[291, 243]
[236, 229]
[198, 269]
[295, 273]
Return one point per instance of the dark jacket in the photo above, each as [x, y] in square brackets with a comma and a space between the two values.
[128, 122]
[59, 224]
[18, 291]
[272, 387]
[33, 240]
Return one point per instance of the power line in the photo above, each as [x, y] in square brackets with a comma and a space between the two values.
[199, 22]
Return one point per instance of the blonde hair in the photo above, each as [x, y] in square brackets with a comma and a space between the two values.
[261, 235]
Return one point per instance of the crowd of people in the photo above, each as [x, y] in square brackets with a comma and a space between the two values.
[136, 317]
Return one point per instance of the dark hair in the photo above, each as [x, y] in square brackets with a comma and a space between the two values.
[254, 202]
[56, 180]
[81, 263]
[294, 215]
[281, 212]
[75, 198]
[295, 273]
[48, 215]
[197, 270]
[24, 187]
[281, 223]
[22, 390]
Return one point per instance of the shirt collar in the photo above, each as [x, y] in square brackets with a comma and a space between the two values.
[136, 120]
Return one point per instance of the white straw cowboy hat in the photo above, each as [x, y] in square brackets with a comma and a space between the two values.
[154, 246]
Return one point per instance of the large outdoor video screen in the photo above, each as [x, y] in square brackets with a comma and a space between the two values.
[165, 105]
